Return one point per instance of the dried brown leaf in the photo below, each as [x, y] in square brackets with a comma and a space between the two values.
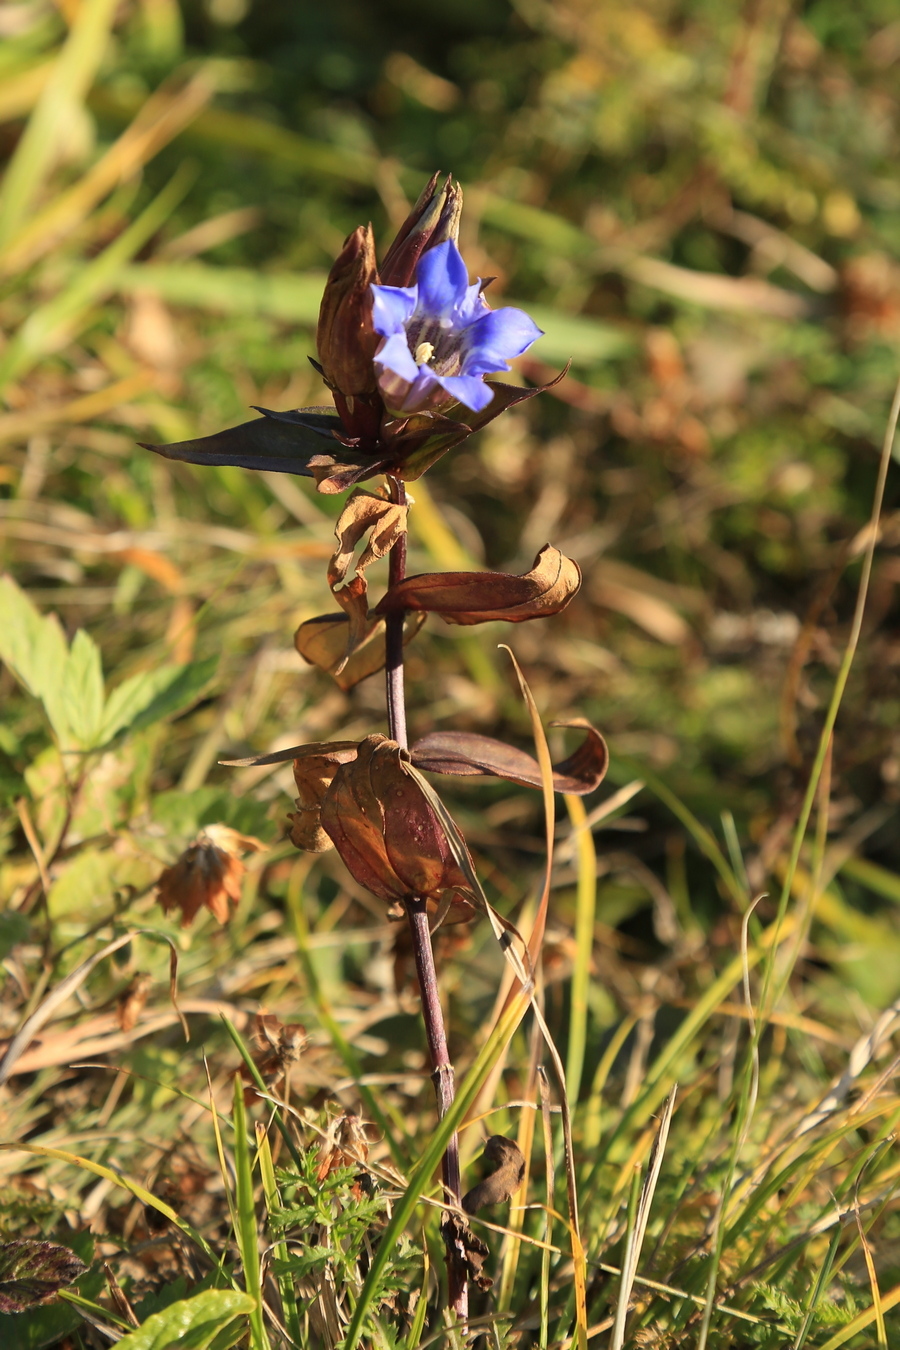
[478, 597]
[322, 642]
[132, 1000]
[278, 1046]
[314, 769]
[468, 754]
[468, 1249]
[504, 1181]
[384, 522]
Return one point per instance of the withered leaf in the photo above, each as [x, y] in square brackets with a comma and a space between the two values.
[345, 1145]
[414, 443]
[467, 1249]
[478, 597]
[314, 769]
[285, 1040]
[468, 754]
[32, 1273]
[506, 1178]
[343, 751]
[417, 449]
[279, 1046]
[130, 1003]
[322, 642]
[384, 522]
[384, 828]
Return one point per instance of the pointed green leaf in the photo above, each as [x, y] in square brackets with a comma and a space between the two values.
[33, 646]
[193, 1323]
[145, 698]
[82, 690]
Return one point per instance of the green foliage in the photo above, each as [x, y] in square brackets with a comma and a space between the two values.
[69, 680]
[210, 1321]
[699, 204]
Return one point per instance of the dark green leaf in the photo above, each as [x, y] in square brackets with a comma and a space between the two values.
[276, 442]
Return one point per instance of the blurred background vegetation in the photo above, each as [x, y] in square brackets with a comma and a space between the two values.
[700, 204]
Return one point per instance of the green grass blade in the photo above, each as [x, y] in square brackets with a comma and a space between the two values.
[60, 100]
[48, 326]
[586, 906]
[245, 1226]
[273, 1201]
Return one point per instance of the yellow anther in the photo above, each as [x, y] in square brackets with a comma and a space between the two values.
[423, 354]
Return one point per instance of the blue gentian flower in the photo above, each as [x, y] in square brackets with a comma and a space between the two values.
[440, 337]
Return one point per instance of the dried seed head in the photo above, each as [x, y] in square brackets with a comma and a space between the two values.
[209, 872]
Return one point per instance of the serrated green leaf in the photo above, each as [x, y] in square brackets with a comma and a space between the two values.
[33, 646]
[82, 690]
[193, 1323]
[179, 688]
[153, 694]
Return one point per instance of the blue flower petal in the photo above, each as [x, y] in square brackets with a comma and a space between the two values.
[495, 338]
[422, 386]
[442, 280]
[472, 307]
[468, 389]
[392, 308]
[395, 355]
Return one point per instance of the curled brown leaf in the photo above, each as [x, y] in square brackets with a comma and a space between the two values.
[322, 642]
[506, 1178]
[314, 769]
[467, 1249]
[384, 522]
[468, 754]
[478, 597]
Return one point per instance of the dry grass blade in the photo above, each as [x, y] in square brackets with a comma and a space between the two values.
[877, 1307]
[55, 999]
[636, 1239]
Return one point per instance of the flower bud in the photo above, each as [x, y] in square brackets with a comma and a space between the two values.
[346, 340]
[433, 220]
[384, 828]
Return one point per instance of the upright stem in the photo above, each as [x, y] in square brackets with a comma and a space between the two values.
[417, 913]
[396, 702]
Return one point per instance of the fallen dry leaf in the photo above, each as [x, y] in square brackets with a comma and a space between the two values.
[130, 1003]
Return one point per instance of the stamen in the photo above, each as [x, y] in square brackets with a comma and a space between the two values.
[423, 353]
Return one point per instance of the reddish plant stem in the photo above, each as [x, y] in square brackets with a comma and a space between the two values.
[393, 638]
[417, 913]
